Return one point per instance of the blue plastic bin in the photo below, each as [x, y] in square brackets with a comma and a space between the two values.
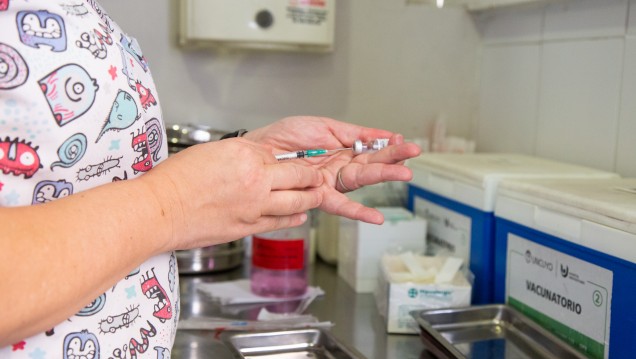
[566, 257]
[456, 194]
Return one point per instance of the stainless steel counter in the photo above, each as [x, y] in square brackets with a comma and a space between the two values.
[356, 319]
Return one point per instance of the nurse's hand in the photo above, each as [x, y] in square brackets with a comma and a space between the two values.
[224, 190]
[342, 172]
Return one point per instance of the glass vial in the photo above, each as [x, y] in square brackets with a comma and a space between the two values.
[360, 147]
[279, 262]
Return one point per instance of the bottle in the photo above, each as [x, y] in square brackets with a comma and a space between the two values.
[279, 262]
[360, 147]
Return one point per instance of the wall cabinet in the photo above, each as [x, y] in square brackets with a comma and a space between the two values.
[486, 4]
[477, 5]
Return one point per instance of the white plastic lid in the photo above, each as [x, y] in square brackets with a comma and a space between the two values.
[483, 167]
[610, 202]
[473, 179]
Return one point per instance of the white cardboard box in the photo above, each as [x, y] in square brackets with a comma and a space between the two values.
[361, 245]
[397, 299]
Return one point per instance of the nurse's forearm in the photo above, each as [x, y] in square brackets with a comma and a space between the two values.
[57, 257]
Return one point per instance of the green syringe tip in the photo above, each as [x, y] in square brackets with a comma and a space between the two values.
[313, 153]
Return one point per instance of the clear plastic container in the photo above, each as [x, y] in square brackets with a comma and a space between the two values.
[279, 262]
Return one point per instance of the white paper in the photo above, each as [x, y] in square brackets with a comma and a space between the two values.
[449, 270]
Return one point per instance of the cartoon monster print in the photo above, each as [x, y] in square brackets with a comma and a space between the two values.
[47, 191]
[89, 42]
[95, 307]
[4, 5]
[71, 151]
[81, 345]
[162, 353]
[69, 91]
[145, 96]
[103, 36]
[96, 41]
[13, 69]
[112, 323]
[96, 170]
[136, 347]
[19, 158]
[42, 28]
[172, 273]
[151, 288]
[117, 178]
[122, 115]
[126, 68]
[75, 9]
[143, 162]
[134, 272]
[132, 47]
[154, 134]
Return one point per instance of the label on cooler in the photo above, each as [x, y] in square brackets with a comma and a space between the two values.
[564, 294]
[278, 254]
[448, 232]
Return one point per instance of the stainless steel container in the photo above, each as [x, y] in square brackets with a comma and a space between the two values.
[215, 258]
[211, 259]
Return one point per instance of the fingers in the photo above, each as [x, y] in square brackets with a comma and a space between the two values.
[272, 223]
[340, 205]
[392, 154]
[284, 203]
[291, 175]
[354, 176]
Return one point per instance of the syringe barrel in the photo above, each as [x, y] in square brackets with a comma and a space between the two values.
[290, 155]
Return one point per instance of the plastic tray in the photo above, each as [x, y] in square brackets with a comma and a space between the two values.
[290, 344]
[488, 331]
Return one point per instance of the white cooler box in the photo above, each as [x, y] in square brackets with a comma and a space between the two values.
[455, 193]
[566, 257]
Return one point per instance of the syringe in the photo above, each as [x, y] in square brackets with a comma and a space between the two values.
[306, 153]
[359, 147]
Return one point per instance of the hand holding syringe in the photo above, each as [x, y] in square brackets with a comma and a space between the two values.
[359, 147]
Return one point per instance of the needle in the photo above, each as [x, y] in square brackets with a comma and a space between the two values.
[307, 153]
[359, 147]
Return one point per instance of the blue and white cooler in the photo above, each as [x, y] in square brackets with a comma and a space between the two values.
[566, 257]
[456, 194]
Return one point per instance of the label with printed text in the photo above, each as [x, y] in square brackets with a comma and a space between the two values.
[566, 295]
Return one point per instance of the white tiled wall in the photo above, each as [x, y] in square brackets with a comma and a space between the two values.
[508, 98]
[559, 81]
[579, 94]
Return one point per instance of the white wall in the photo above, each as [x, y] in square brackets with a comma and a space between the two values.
[395, 66]
[559, 81]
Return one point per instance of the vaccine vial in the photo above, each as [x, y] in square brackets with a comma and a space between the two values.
[279, 262]
[360, 147]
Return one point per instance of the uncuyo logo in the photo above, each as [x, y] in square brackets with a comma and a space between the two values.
[540, 262]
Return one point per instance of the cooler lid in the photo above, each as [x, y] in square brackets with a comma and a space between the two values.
[484, 167]
[610, 201]
[472, 179]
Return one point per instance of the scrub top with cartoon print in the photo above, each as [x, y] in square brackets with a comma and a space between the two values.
[78, 109]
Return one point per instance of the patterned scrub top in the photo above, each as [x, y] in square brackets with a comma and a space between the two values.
[78, 109]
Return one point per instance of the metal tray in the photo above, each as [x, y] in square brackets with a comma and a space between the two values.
[290, 344]
[488, 331]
